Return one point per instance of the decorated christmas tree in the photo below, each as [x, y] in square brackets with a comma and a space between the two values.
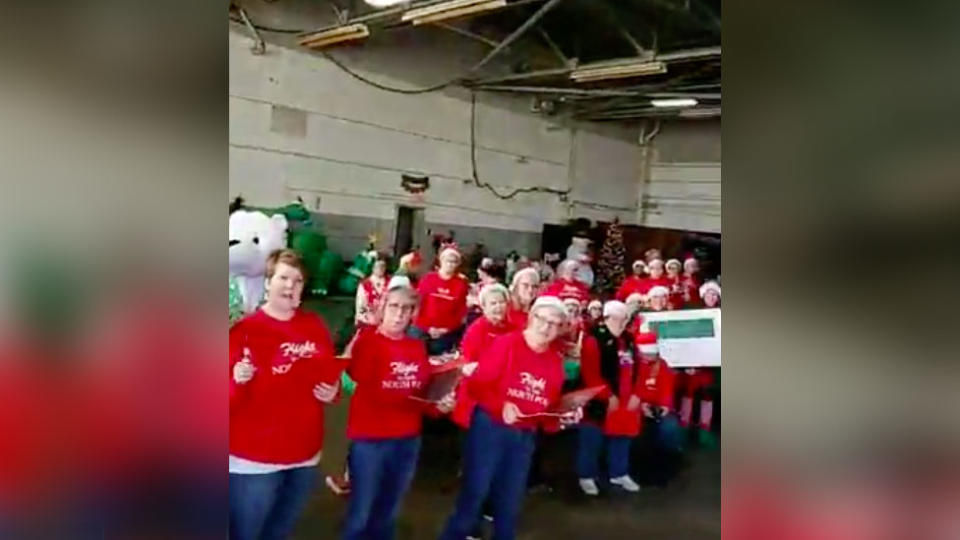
[611, 263]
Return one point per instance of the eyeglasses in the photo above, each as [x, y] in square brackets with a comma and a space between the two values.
[403, 308]
[546, 322]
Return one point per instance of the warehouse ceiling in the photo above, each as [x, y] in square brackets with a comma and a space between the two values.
[598, 60]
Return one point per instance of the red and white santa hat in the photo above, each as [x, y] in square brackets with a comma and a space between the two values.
[635, 298]
[690, 260]
[399, 282]
[709, 286]
[523, 272]
[639, 264]
[647, 344]
[674, 262]
[595, 304]
[658, 290]
[492, 288]
[549, 302]
[615, 307]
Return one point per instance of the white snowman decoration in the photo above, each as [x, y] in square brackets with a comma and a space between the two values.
[579, 250]
[253, 236]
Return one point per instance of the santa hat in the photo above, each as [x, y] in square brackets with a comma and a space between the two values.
[447, 249]
[549, 302]
[615, 307]
[635, 298]
[690, 259]
[674, 262]
[399, 282]
[638, 263]
[647, 343]
[655, 261]
[411, 259]
[595, 303]
[523, 272]
[492, 288]
[658, 290]
[709, 286]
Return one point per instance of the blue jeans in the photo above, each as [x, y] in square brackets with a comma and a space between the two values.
[380, 473]
[667, 433]
[496, 461]
[590, 439]
[266, 506]
[440, 345]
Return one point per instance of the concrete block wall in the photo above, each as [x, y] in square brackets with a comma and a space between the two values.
[681, 181]
[299, 126]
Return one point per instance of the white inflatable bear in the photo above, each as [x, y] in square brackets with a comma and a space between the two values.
[253, 236]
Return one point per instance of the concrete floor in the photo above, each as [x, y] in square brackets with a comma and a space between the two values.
[688, 508]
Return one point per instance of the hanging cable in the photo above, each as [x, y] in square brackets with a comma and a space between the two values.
[562, 193]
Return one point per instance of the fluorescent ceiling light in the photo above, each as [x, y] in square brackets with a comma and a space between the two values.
[340, 34]
[674, 102]
[617, 69]
[450, 10]
[384, 3]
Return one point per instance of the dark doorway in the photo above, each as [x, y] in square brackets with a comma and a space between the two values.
[403, 240]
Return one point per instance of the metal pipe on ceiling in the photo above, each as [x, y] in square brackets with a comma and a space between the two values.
[556, 90]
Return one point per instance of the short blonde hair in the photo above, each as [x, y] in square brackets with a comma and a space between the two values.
[288, 257]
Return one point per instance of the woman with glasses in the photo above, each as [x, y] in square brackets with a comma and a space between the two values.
[518, 378]
[384, 422]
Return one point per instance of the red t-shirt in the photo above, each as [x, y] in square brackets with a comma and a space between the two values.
[648, 283]
[387, 371]
[568, 288]
[443, 302]
[517, 317]
[274, 417]
[509, 370]
[655, 383]
[476, 339]
[629, 286]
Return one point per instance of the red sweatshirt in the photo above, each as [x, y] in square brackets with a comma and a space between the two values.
[274, 417]
[510, 370]
[620, 421]
[655, 384]
[476, 339]
[443, 302]
[517, 317]
[568, 288]
[629, 286]
[648, 283]
[387, 371]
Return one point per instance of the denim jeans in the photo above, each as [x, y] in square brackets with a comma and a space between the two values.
[667, 433]
[380, 473]
[440, 345]
[590, 439]
[496, 461]
[267, 506]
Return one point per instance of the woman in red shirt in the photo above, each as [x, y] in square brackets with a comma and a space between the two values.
[689, 282]
[523, 291]
[673, 267]
[697, 381]
[384, 422]
[283, 372]
[519, 377]
[633, 283]
[609, 360]
[443, 304]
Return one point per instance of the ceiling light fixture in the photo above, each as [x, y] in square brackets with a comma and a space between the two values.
[706, 112]
[450, 10]
[617, 69]
[340, 34]
[675, 102]
[384, 3]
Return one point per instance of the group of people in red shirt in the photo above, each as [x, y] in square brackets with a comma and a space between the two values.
[516, 364]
